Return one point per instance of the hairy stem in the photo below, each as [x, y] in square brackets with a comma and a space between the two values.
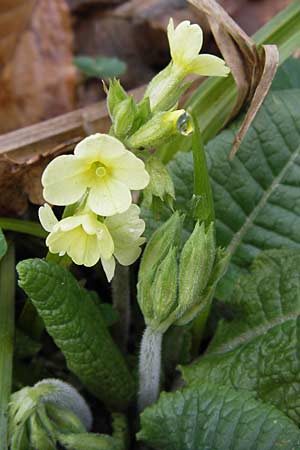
[149, 368]
[7, 297]
[121, 302]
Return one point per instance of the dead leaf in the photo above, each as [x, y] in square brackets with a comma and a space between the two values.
[252, 70]
[37, 77]
[271, 55]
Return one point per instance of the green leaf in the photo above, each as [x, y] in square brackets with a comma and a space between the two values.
[259, 350]
[287, 76]
[3, 244]
[78, 329]
[257, 194]
[210, 417]
[100, 67]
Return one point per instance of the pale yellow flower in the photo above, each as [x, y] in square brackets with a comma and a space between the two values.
[126, 230]
[86, 240]
[185, 44]
[82, 237]
[101, 166]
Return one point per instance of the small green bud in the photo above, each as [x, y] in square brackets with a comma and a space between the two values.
[64, 419]
[196, 263]
[115, 95]
[161, 184]
[161, 127]
[143, 113]
[38, 437]
[220, 266]
[164, 287]
[157, 292]
[49, 407]
[123, 117]
[89, 441]
[166, 236]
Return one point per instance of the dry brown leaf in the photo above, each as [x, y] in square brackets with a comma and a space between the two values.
[37, 77]
[271, 55]
[253, 71]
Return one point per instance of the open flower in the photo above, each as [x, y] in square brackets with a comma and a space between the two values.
[100, 164]
[126, 230]
[185, 44]
[86, 239]
[82, 237]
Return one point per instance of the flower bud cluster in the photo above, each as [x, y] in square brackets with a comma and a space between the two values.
[38, 414]
[175, 286]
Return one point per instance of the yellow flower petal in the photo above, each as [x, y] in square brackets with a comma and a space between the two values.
[109, 197]
[99, 147]
[185, 41]
[63, 181]
[47, 217]
[208, 65]
[87, 250]
[69, 223]
[109, 266]
[106, 241]
[125, 227]
[130, 170]
[128, 255]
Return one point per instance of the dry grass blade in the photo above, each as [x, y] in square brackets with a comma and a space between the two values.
[271, 64]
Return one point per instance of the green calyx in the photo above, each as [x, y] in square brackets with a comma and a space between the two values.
[37, 414]
[160, 188]
[175, 287]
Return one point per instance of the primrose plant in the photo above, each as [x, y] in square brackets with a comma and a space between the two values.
[100, 222]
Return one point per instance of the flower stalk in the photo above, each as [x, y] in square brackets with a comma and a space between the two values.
[149, 367]
[203, 197]
[7, 296]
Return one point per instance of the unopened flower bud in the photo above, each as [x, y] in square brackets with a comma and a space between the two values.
[161, 184]
[166, 236]
[200, 296]
[157, 285]
[115, 95]
[164, 287]
[157, 292]
[124, 114]
[158, 129]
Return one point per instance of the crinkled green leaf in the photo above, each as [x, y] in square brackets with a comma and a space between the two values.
[259, 350]
[3, 244]
[78, 329]
[256, 195]
[211, 417]
[288, 75]
[100, 67]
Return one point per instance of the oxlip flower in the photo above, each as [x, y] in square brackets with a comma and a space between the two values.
[101, 167]
[185, 44]
[126, 230]
[82, 237]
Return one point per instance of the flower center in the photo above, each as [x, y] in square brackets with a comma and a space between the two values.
[99, 169]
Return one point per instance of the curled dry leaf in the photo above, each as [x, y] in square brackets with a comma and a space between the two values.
[37, 78]
[252, 69]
